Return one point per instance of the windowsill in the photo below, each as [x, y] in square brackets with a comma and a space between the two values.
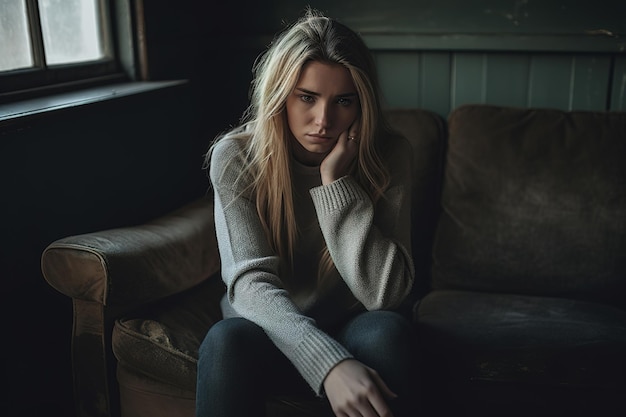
[11, 112]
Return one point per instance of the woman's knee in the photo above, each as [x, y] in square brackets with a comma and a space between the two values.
[378, 329]
[228, 338]
[227, 370]
[384, 341]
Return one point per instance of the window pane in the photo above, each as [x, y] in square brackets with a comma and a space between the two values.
[15, 49]
[71, 30]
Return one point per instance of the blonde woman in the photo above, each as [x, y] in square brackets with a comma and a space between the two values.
[312, 212]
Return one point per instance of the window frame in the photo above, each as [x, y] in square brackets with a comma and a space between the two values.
[41, 79]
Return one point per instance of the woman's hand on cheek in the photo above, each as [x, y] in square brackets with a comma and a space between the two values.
[354, 389]
[338, 162]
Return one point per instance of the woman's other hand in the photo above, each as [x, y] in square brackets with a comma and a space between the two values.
[354, 389]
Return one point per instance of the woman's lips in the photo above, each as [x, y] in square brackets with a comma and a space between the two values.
[319, 138]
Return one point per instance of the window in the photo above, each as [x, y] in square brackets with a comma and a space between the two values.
[46, 43]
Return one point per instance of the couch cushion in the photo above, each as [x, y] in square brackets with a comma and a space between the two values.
[534, 201]
[161, 341]
[539, 340]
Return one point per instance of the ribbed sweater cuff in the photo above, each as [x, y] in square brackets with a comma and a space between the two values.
[316, 355]
[337, 194]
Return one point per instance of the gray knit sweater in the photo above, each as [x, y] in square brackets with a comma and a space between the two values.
[369, 245]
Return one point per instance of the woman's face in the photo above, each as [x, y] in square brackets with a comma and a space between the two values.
[323, 105]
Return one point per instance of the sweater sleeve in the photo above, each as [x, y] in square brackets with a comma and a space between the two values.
[250, 271]
[372, 252]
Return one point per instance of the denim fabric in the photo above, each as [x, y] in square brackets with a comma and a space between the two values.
[239, 367]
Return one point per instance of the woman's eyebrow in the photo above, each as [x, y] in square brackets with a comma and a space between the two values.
[313, 93]
[309, 92]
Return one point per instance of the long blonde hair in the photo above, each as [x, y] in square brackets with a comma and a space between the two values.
[264, 128]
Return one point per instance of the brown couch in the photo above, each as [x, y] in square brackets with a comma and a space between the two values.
[520, 300]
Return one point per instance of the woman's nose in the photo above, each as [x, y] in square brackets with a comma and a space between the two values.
[322, 115]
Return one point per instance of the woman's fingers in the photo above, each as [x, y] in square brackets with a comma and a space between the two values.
[353, 389]
[384, 389]
[340, 159]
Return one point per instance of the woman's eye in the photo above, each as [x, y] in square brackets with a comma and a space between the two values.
[306, 99]
[344, 101]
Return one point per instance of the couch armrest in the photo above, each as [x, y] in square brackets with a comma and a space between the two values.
[110, 272]
[130, 266]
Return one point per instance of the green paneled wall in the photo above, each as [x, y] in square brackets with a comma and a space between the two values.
[442, 81]
[400, 76]
[618, 91]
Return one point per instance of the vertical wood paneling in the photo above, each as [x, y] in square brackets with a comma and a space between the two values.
[507, 79]
[550, 83]
[399, 74]
[435, 82]
[441, 81]
[468, 79]
[618, 91]
[590, 86]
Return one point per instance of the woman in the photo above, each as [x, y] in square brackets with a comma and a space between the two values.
[312, 212]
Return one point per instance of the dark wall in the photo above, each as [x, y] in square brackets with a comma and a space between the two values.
[214, 49]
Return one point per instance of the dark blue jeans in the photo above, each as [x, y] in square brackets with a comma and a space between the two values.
[239, 366]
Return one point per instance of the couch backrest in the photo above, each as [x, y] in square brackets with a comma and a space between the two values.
[534, 201]
[425, 131]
